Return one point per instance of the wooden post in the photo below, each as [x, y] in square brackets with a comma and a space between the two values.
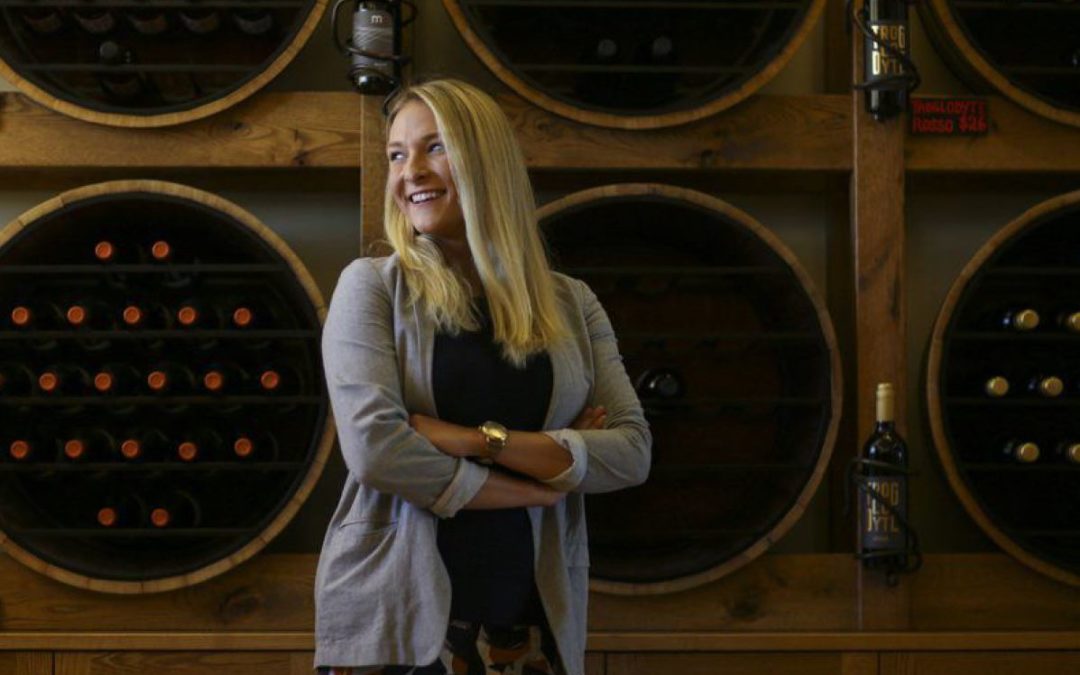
[877, 209]
[372, 173]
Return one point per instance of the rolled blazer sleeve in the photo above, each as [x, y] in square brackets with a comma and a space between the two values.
[363, 378]
[618, 456]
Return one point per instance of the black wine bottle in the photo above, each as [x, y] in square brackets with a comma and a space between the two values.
[882, 537]
[1068, 452]
[1070, 321]
[200, 20]
[254, 445]
[660, 383]
[175, 508]
[117, 379]
[64, 380]
[889, 22]
[15, 379]
[200, 444]
[88, 445]
[1022, 319]
[996, 386]
[1046, 386]
[253, 21]
[170, 378]
[144, 444]
[94, 20]
[124, 510]
[1020, 450]
[148, 21]
[119, 85]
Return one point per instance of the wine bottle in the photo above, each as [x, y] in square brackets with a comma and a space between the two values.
[195, 313]
[146, 315]
[127, 510]
[37, 316]
[200, 444]
[660, 383]
[148, 21]
[889, 21]
[882, 536]
[225, 378]
[64, 379]
[21, 448]
[113, 251]
[1022, 319]
[144, 444]
[1070, 321]
[253, 21]
[94, 20]
[1019, 450]
[15, 379]
[1047, 386]
[251, 445]
[200, 20]
[170, 378]
[89, 445]
[1068, 451]
[996, 386]
[120, 86]
[174, 509]
[117, 379]
[43, 20]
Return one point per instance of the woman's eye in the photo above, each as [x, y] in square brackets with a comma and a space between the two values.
[395, 155]
[436, 147]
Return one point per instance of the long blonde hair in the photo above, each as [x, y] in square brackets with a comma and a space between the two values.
[500, 224]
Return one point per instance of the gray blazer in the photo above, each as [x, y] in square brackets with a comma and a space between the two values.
[382, 594]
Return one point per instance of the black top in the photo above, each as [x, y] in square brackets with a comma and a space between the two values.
[489, 554]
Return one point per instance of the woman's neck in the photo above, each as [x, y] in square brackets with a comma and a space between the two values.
[458, 256]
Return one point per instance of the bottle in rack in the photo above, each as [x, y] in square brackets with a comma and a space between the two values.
[1070, 321]
[163, 252]
[196, 313]
[119, 86]
[21, 443]
[200, 444]
[1068, 452]
[251, 445]
[1021, 319]
[125, 510]
[117, 379]
[64, 380]
[996, 386]
[1022, 451]
[118, 252]
[88, 445]
[200, 20]
[38, 316]
[146, 315]
[175, 508]
[169, 378]
[43, 20]
[149, 21]
[660, 383]
[145, 444]
[1046, 386]
[252, 21]
[225, 378]
[94, 20]
[880, 532]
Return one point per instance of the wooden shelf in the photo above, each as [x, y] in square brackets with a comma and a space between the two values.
[868, 641]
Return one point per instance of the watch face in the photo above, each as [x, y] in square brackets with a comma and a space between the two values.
[495, 432]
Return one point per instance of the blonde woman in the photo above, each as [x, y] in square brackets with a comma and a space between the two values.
[478, 396]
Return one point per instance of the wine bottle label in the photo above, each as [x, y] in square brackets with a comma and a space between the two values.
[880, 528]
[882, 64]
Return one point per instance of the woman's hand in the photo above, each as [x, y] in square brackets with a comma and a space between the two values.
[590, 418]
[451, 439]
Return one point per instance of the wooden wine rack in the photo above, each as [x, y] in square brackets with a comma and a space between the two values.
[237, 504]
[744, 430]
[1028, 51]
[631, 64]
[1027, 508]
[146, 63]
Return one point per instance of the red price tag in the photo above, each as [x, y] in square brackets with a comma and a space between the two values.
[949, 116]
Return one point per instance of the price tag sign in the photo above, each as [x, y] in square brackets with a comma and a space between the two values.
[949, 116]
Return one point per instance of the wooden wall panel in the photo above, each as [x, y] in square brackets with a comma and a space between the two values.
[989, 592]
[985, 663]
[775, 593]
[184, 663]
[595, 664]
[728, 664]
[268, 593]
[26, 663]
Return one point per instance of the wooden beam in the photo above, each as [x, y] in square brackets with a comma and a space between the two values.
[808, 133]
[373, 176]
[877, 193]
[272, 130]
[1019, 141]
[630, 641]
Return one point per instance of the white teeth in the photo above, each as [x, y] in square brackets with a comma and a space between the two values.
[421, 197]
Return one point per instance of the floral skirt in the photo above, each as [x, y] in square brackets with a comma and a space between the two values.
[471, 648]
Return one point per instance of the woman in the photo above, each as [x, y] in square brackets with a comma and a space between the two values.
[478, 395]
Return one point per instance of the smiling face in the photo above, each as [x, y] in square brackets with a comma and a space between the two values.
[420, 179]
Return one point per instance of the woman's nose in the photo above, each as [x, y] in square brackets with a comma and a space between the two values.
[415, 168]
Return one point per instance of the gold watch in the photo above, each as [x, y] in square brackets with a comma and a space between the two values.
[495, 436]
